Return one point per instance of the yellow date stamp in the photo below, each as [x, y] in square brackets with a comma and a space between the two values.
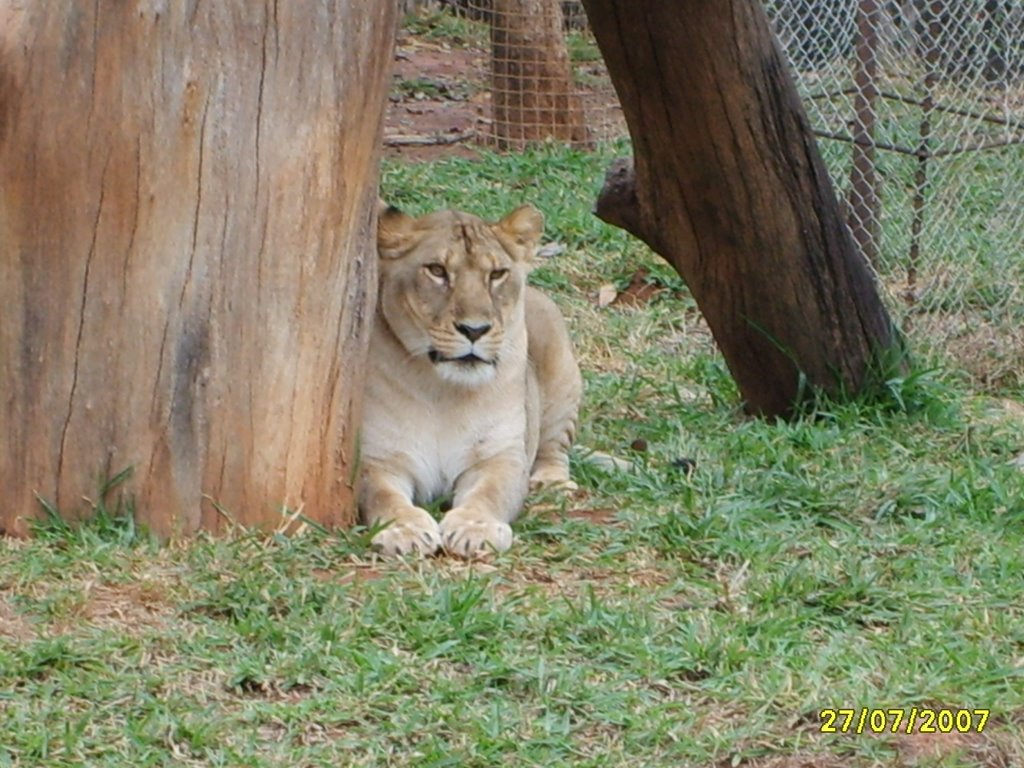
[903, 720]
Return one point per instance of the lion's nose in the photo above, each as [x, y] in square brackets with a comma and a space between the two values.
[472, 332]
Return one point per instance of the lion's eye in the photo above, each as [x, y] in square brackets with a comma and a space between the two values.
[498, 274]
[438, 271]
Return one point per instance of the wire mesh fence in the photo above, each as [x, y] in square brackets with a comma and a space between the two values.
[919, 110]
[547, 79]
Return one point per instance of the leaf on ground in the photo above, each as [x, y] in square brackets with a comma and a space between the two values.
[640, 291]
[606, 295]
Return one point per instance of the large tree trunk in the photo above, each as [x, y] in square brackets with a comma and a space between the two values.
[532, 90]
[187, 203]
[730, 188]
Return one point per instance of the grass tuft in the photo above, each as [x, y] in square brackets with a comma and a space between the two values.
[110, 520]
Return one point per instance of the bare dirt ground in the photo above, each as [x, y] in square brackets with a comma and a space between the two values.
[437, 102]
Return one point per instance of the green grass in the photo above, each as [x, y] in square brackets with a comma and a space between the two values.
[438, 25]
[864, 555]
[582, 48]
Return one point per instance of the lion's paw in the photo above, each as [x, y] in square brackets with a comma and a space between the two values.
[467, 535]
[410, 534]
[552, 475]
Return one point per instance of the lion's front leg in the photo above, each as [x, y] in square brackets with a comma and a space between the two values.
[488, 496]
[387, 498]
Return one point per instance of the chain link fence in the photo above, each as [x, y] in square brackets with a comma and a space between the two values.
[919, 110]
[918, 106]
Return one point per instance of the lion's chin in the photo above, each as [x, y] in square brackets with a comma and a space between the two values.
[467, 371]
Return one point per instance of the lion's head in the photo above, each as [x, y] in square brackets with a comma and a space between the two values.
[452, 286]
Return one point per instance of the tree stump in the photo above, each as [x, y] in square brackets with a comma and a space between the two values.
[533, 95]
[187, 207]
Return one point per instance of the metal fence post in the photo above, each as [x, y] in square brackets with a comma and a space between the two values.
[865, 204]
[931, 31]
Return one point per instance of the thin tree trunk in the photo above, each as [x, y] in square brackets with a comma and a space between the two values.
[533, 94]
[729, 187]
[187, 202]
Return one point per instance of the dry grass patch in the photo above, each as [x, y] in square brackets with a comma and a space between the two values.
[991, 353]
[802, 760]
[13, 625]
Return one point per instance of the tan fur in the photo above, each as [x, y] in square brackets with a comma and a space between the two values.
[481, 428]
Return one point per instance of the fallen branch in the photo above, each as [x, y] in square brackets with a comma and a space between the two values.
[413, 140]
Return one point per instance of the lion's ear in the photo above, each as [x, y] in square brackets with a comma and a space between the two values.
[394, 231]
[521, 230]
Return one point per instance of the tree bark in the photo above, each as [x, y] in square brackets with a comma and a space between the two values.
[187, 207]
[533, 95]
[729, 187]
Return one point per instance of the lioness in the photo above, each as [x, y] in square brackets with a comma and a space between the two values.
[472, 390]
